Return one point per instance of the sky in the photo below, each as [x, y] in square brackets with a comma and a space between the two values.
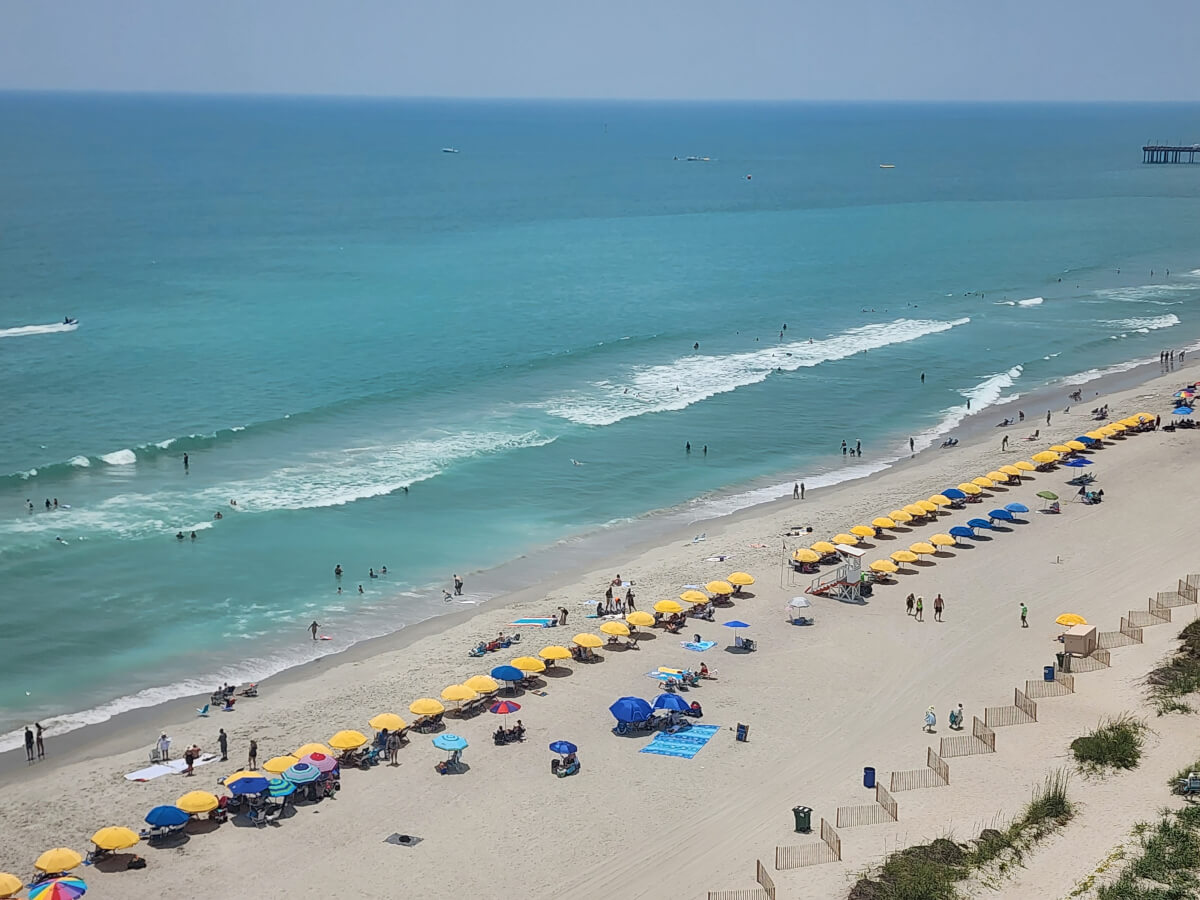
[981, 50]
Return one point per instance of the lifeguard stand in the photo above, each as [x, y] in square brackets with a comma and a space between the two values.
[843, 582]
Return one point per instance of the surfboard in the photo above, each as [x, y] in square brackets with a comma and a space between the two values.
[326, 637]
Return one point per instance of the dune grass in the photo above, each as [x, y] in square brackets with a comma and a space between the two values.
[1179, 675]
[1114, 744]
[1167, 864]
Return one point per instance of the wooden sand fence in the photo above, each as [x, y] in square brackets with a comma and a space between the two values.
[765, 890]
[1063, 684]
[1183, 595]
[1154, 615]
[1093, 662]
[884, 809]
[1127, 635]
[935, 774]
[1022, 712]
[981, 740]
[827, 850]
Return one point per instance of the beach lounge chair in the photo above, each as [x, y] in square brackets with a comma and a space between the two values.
[203, 711]
[250, 690]
[228, 707]
[1191, 785]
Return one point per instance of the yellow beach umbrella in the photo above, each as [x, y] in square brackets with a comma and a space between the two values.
[1045, 457]
[971, 488]
[60, 859]
[644, 619]
[556, 652]
[901, 516]
[741, 579]
[459, 693]
[299, 753]
[718, 587]
[1113, 428]
[426, 706]
[390, 721]
[350, 739]
[1130, 421]
[11, 884]
[590, 640]
[1077, 445]
[943, 540]
[824, 547]
[999, 477]
[665, 606]
[617, 629]
[694, 597]
[885, 566]
[920, 547]
[1096, 435]
[195, 802]
[903, 556]
[915, 511]
[1071, 619]
[863, 531]
[1060, 448]
[940, 500]
[1011, 470]
[805, 555]
[529, 664]
[485, 684]
[246, 773]
[847, 539]
[883, 522]
[927, 505]
[114, 837]
[1022, 466]
[983, 481]
[277, 765]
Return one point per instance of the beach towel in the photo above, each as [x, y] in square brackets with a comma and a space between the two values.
[699, 648]
[664, 677]
[171, 767]
[530, 623]
[721, 558]
[683, 744]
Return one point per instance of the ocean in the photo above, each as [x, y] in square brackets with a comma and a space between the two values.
[390, 355]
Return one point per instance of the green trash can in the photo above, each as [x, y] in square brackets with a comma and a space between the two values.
[803, 816]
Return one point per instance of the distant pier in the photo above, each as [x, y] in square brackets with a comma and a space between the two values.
[1164, 153]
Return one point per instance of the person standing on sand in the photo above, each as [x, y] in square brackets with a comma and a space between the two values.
[1004, 442]
[164, 747]
[41, 746]
[908, 604]
[1024, 613]
[628, 600]
[796, 491]
[1020, 415]
[314, 628]
[802, 490]
[223, 743]
[393, 748]
[920, 609]
[938, 605]
[912, 446]
[1047, 417]
[252, 760]
[458, 585]
[28, 744]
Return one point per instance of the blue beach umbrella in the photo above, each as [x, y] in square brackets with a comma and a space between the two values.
[671, 702]
[954, 494]
[280, 787]
[563, 747]
[448, 741]
[250, 785]
[962, 531]
[1076, 463]
[736, 623]
[1016, 507]
[979, 523]
[507, 673]
[302, 773]
[1182, 411]
[1003, 514]
[166, 817]
[631, 709]
[1084, 439]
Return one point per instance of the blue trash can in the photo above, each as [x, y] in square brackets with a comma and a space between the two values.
[868, 776]
[1048, 673]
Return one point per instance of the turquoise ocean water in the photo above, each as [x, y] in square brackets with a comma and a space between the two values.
[321, 308]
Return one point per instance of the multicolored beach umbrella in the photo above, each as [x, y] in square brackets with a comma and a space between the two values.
[68, 888]
[504, 707]
[280, 787]
[321, 762]
[300, 773]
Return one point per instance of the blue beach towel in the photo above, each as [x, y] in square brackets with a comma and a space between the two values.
[683, 744]
[699, 648]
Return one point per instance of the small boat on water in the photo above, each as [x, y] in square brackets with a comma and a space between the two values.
[449, 149]
[699, 159]
[886, 166]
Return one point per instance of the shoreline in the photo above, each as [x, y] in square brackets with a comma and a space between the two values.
[128, 729]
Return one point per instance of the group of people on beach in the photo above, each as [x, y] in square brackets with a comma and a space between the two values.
[34, 742]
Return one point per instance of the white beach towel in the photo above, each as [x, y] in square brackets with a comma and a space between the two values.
[171, 767]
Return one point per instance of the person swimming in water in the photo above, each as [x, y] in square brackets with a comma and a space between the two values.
[179, 536]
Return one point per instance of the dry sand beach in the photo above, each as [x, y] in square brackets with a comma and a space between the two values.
[822, 702]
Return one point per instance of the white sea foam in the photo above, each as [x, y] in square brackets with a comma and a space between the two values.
[29, 330]
[1157, 294]
[1143, 324]
[163, 445]
[1032, 301]
[691, 379]
[119, 458]
[81, 461]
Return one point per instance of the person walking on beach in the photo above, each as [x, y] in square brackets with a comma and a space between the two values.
[930, 720]
[908, 604]
[314, 627]
[920, 609]
[164, 747]
[41, 746]
[252, 761]
[1047, 417]
[223, 743]
[796, 491]
[628, 601]
[1020, 415]
[912, 446]
[28, 744]
[1004, 442]
[189, 757]
[1024, 614]
[458, 585]
[938, 605]
[802, 490]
